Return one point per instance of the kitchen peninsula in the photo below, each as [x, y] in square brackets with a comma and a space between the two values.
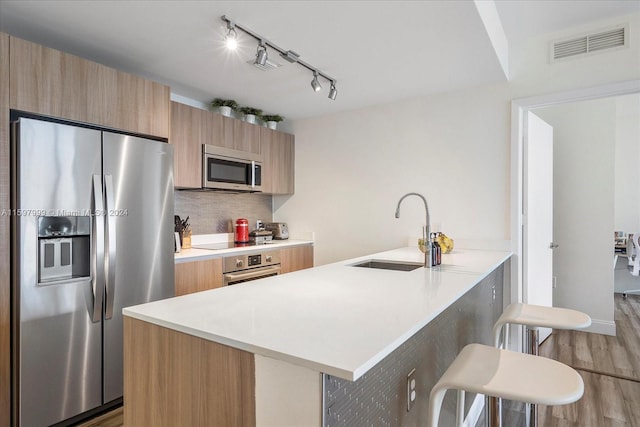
[323, 346]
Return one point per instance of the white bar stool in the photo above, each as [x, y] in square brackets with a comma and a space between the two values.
[505, 374]
[533, 317]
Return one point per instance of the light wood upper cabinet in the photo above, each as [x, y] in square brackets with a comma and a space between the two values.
[296, 258]
[246, 136]
[191, 127]
[196, 276]
[53, 83]
[278, 167]
[187, 128]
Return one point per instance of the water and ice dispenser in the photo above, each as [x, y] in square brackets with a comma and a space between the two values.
[64, 248]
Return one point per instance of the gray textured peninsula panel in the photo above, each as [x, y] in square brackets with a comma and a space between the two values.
[379, 398]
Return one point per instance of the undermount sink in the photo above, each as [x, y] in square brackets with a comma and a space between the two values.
[389, 265]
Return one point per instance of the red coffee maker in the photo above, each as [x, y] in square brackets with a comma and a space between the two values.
[242, 230]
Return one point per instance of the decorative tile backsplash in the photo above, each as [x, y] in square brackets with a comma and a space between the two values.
[213, 212]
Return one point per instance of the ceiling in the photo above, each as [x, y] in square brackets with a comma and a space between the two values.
[379, 51]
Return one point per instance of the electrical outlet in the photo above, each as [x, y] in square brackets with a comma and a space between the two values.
[411, 389]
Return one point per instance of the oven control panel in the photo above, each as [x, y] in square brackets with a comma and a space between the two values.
[241, 261]
[253, 260]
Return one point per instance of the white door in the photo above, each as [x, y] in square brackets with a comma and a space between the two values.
[538, 214]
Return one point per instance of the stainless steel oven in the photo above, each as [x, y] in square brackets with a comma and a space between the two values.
[245, 267]
[233, 170]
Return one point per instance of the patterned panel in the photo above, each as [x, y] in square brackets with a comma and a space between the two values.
[212, 212]
[379, 398]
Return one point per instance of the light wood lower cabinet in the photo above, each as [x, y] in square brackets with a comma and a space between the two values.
[196, 276]
[296, 258]
[175, 379]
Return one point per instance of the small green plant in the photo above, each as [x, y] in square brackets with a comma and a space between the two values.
[219, 102]
[272, 118]
[250, 110]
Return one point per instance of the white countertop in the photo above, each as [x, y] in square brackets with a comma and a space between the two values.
[195, 254]
[336, 319]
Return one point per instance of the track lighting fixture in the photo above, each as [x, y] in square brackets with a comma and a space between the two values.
[315, 84]
[231, 38]
[261, 60]
[261, 54]
[333, 92]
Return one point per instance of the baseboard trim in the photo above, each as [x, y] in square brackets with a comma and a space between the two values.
[606, 327]
[471, 420]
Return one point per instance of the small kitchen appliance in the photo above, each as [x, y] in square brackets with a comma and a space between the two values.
[241, 228]
[279, 230]
[260, 237]
[231, 170]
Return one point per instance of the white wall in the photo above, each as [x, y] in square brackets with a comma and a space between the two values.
[584, 136]
[627, 164]
[351, 168]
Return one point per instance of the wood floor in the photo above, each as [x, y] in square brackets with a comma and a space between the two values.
[609, 366]
[110, 419]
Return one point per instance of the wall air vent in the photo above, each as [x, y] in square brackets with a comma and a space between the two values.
[586, 44]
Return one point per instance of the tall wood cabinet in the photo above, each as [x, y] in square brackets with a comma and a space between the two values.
[5, 260]
[53, 83]
[48, 82]
[278, 151]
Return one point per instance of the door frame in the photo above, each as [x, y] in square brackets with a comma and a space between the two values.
[519, 109]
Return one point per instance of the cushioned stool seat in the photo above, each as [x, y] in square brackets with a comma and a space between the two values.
[506, 374]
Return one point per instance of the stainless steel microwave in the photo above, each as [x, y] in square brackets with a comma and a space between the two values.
[227, 169]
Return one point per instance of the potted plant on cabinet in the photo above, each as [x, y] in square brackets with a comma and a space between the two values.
[272, 120]
[225, 106]
[250, 114]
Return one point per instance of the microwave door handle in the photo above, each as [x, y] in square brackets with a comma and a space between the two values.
[97, 249]
[111, 246]
[253, 174]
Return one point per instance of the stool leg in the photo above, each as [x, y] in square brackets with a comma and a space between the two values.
[460, 409]
[533, 348]
[494, 411]
[435, 404]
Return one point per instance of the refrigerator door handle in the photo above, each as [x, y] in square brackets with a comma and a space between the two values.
[97, 283]
[111, 245]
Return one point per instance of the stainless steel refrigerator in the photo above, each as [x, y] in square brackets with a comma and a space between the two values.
[92, 233]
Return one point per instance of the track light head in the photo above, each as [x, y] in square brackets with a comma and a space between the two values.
[315, 84]
[261, 54]
[333, 92]
[231, 39]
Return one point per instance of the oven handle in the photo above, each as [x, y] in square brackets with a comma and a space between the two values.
[258, 272]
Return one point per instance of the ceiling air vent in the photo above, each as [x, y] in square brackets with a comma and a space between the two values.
[590, 43]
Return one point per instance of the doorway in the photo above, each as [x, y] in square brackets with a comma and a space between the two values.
[603, 320]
